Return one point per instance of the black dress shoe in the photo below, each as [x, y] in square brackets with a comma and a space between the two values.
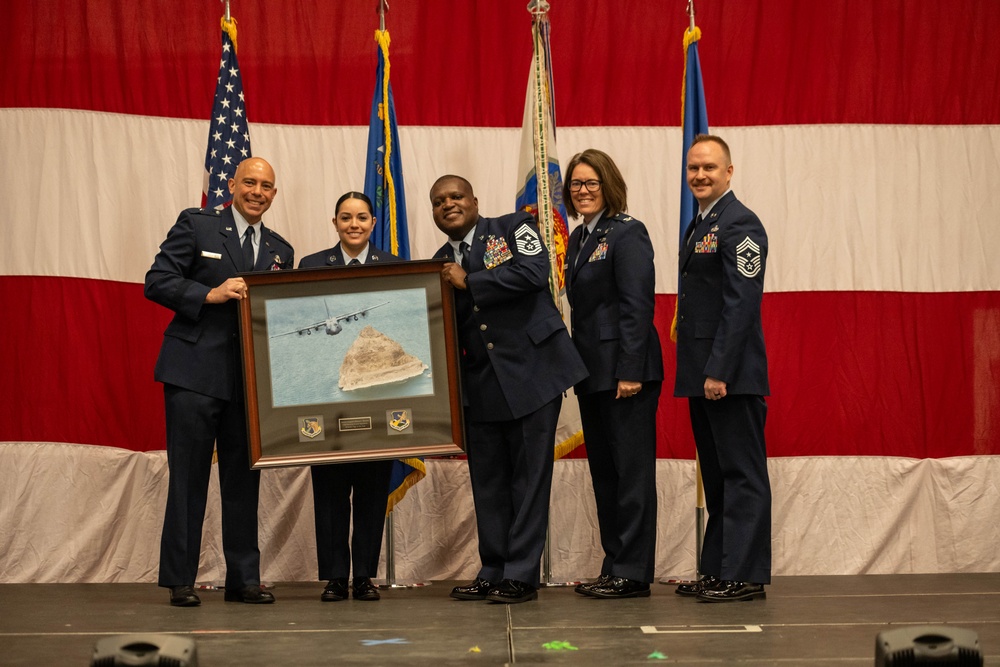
[364, 589]
[512, 591]
[477, 590]
[731, 591]
[583, 588]
[250, 595]
[335, 591]
[691, 590]
[183, 596]
[620, 587]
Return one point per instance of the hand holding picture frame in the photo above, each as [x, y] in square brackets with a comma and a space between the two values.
[350, 364]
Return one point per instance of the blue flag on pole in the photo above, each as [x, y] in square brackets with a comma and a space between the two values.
[228, 134]
[384, 166]
[384, 186]
[694, 121]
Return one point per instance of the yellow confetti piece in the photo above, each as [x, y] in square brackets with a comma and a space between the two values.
[475, 649]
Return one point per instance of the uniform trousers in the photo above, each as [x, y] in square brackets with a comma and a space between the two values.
[332, 500]
[196, 425]
[729, 435]
[510, 467]
[621, 450]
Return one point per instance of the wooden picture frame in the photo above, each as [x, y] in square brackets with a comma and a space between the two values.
[348, 364]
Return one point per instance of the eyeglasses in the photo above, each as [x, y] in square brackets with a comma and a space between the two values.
[592, 185]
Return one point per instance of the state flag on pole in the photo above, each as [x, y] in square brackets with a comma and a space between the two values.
[542, 196]
[229, 134]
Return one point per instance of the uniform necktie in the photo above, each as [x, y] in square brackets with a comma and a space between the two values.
[354, 261]
[694, 225]
[248, 249]
[465, 249]
[583, 236]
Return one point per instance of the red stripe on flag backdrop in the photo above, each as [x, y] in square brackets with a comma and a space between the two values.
[70, 375]
[463, 64]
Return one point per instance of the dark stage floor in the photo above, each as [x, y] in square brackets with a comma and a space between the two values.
[808, 621]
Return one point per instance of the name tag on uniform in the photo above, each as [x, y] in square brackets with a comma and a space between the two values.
[211, 255]
[708, 244]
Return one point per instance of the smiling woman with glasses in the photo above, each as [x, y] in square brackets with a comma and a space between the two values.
[610, 285]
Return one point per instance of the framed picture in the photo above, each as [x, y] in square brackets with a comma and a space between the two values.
[350, 364]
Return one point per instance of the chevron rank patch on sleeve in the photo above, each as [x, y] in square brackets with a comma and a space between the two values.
[527, 240]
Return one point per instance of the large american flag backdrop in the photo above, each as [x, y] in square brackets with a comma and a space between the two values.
[865, 134]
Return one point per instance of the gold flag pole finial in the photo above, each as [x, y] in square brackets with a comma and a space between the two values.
[226, 3]
[690, 13]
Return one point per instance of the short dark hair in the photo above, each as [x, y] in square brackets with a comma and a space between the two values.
[451, 177]
[612, 184]
[711, 137]
[354, 195]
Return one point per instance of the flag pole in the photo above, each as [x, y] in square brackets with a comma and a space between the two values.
[699, 509]
[390, 548]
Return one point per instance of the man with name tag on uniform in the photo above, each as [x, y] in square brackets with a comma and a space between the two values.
[200, 366]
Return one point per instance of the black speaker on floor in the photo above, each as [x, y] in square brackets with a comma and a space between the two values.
[145, 649]
[927, 645]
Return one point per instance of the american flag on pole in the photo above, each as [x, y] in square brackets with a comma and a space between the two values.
[228, 134]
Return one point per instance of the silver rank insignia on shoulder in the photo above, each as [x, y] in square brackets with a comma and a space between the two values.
[748, 260]
[527, 240]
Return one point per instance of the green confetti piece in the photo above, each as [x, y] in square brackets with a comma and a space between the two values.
[656, 655]
[559, 646]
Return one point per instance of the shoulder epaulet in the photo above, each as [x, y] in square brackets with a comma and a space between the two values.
[279, 237]
[212, 212]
